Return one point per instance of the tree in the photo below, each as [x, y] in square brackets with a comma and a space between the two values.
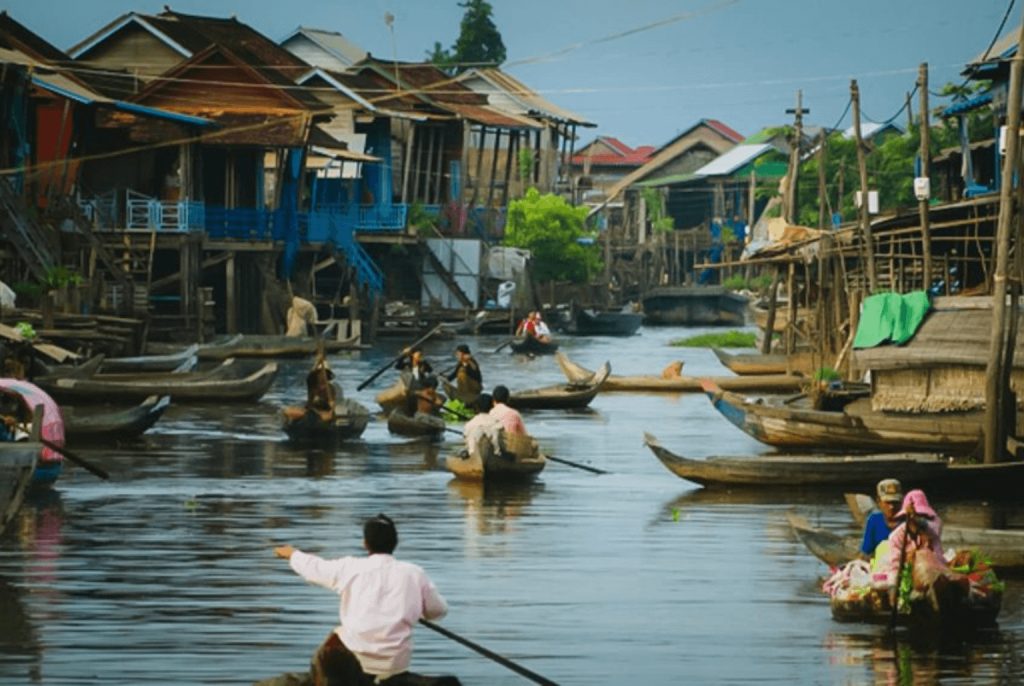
[549, 228]
[479, 42]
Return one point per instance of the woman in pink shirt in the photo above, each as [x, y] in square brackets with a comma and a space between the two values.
[920, 530]
[381, 600]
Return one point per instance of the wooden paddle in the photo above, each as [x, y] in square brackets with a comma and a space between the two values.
[505, 344]
[393, 362]
[87, 466]
[489, 654]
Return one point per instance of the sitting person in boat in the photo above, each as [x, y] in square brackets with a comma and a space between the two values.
[428, 400]
[881, 522]
[420, 372]
[321, 394]
[543, 333]
[510, 418]
[920, 531]
[528, 327]
[466, 375]
[300, 317]
[382, 599]
[483, 423]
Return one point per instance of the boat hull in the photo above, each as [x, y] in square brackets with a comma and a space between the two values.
[591, 323]
[483, 463]
[694, 306]
[303, 425]
[81, 424]
[17, 466]
[528, 345]
[418, 425]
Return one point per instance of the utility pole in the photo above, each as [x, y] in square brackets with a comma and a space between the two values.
[794, 157]
[995, 386]
[865, 218]
[926, 143]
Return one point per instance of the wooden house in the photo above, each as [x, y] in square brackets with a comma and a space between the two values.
[943, 367]
[324, 49]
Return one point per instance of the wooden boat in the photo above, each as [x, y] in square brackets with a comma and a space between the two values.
[394, 396]
[249, 345]
[232, 381]
[854, 428]
[1004, 547]
[304, 425]
[590, 322]
[563, 397]
[755, 363]
[800, 471]
[694, 306]
[482, 462]
[91, 422]
[148, 363]
[783, 383]
[17, 465]
[949, 610]
[781, 316]
[419, 424]
[529, 345]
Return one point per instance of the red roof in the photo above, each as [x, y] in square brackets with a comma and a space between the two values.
[624, 156]
[726, 131]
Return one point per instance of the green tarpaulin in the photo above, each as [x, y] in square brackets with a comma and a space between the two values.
[890, 317]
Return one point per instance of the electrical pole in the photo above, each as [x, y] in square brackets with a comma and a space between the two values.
[865, 218]
[926, 142]
[794, 158]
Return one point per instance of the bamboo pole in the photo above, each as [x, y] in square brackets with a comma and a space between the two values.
[862, 166]
[995, 429]
[769, 327]
[926, 236]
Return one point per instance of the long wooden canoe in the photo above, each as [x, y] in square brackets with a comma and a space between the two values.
[855, 428]
[249, 345]
[17, 465]
[779, 383]
[483, 463]
[529, 345]
[92, 422]
[1004, 547]
[752, 364]
[419, 424]
[561, 397]
[304, 425]
[797, 471]
[148, 363]
[232, 381]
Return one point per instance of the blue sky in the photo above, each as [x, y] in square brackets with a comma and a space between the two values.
[740, 61]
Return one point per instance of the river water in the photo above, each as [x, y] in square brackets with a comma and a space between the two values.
[165, 574]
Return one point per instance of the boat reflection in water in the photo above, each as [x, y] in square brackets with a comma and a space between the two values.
[907, 659]
[493, 508]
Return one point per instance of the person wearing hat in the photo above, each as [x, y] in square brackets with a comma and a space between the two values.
[469, 381]
[919, 530]
[881, 522]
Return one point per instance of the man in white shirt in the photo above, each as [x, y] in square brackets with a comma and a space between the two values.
[381, 600]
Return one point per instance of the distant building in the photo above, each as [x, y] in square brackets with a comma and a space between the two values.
[325, 49]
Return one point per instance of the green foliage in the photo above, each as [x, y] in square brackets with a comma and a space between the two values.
[761, 282]
[479, 42]
[60, 276]
[419, 217]
[726, 339]
[827, 374]
[655, 203]
[548, 227]
[736, 282]
[525, 163]
[26, 330]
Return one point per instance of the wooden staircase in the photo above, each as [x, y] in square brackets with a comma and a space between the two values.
[31, 241]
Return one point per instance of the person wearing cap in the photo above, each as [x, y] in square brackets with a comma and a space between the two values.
[881, 522]
[920, 529]
[468, 379]
[382, 599]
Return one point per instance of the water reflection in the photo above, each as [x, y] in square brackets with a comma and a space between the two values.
[494, 508]
[19, 640]
[904, 659]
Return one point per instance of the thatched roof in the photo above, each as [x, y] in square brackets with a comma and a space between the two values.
[955, 336]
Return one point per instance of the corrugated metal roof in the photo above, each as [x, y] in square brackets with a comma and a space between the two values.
[668, 180]
[968, 104]
[733, 159]
[332, 42]
[1002, 49]
[529, 101]
[870, 129]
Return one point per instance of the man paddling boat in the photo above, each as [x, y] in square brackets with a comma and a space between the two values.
[466, 375]
[381, 600]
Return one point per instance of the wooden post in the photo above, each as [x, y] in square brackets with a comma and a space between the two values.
[926, 141]
[230, 295]
[479, 167]
[862, 166]
[769, 327]
[822, 186]
[751, 202]
[995, 389]
[794, 158]
[791, 324]
[513, 149]
[409, 143]
[439, 169]
[425, 172]
[494, 167]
